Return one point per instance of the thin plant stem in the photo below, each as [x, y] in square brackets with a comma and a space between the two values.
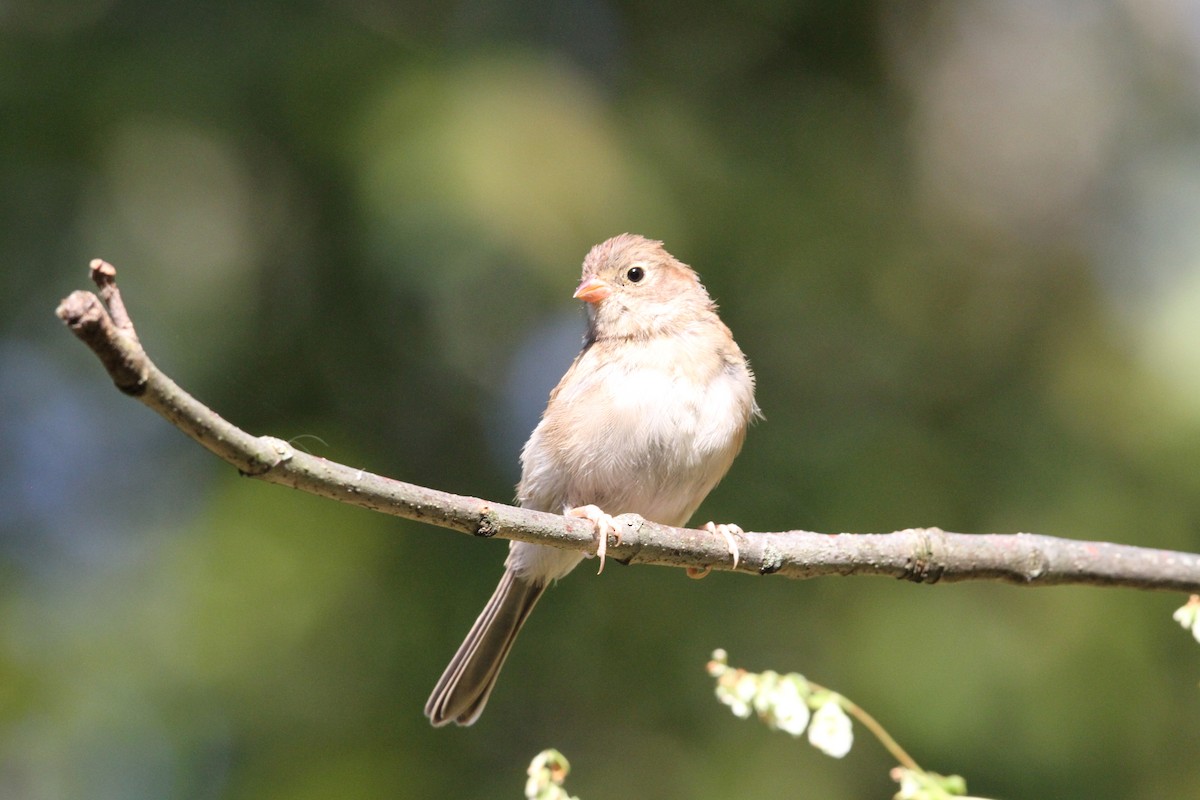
[872, 724]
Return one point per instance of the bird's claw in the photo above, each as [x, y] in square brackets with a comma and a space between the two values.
[727, 531]
[605, 525]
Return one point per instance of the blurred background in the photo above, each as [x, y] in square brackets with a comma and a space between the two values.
[957, 240]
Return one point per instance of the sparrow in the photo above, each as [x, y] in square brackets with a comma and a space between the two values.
[647, 419]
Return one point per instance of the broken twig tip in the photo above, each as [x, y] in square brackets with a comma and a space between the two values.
[102, 270]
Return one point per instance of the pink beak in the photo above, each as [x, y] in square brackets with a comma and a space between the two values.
[592, 290]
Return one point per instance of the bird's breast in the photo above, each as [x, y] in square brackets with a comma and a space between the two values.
[647, 429]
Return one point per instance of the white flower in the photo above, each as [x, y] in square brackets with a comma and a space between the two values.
[742, 695]
[910, 784]
[547, 771]
[764, 697]
[1188, 616]
[739, 693]
[537, 782]
[790, 705]
[830, 730]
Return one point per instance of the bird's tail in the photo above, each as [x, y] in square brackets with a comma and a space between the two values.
[464, 688]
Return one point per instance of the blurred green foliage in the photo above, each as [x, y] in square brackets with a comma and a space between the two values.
[957, 241]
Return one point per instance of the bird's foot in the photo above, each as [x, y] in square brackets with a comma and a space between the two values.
[728, 532]
[605, 525]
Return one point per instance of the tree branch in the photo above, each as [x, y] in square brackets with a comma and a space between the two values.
[922, 555]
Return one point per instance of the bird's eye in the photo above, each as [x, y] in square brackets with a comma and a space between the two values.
[635, 274]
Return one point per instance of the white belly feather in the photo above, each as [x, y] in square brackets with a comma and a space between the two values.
[668, 436]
